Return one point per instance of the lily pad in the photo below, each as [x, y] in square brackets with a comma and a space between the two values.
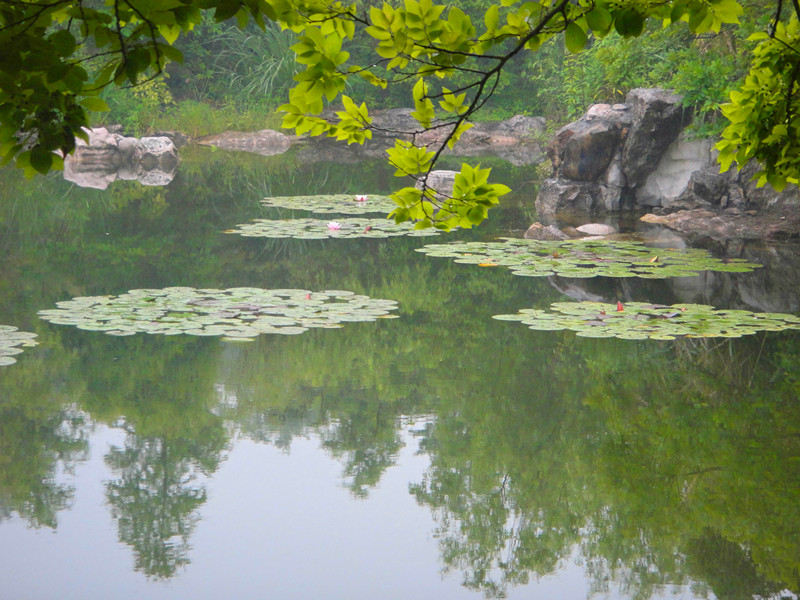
[315, 229]
[639, 320]
[587, 258]
[345, 204]
[237, 313]
[12, 342]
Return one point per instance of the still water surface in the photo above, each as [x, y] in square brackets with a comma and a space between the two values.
[439, 455]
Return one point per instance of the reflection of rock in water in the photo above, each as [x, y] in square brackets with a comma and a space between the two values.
[110, 156]
[265, 142]
[772, 288]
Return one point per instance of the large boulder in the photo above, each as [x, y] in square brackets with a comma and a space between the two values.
[615, 148]
[657, 118]
[560, 196]
[583, 150]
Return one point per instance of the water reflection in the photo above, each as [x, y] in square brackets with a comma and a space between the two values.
[654, 465]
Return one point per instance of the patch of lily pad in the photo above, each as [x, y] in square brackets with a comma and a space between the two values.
[233, 314]
[315, 229]
[346, 204]
[639, 320]
[587, 258]
[12, 342]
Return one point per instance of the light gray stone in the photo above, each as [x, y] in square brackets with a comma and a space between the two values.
[671, 177]
[441, 181]
[597, 229]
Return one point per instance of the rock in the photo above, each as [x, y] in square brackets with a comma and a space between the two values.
[156, 153]
[613, 113]
[582, 150]
[178, 138]
[597, 229]
[710, 186]
[765, 198]
[674, 171]
[725, 225]
[560, 196]
[265, 142]
[657, 120]
[394, 122]
[110, 156]
[514, 139]
[441, 181]
[539, 232]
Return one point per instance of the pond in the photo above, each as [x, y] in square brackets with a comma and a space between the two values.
[401, 442]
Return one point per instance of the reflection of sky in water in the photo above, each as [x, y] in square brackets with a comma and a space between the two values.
[275, 525]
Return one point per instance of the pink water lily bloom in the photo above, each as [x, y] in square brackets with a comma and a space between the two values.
[334, 226]
[361, 198]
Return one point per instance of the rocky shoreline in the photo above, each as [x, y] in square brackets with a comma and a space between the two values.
[629, 158]
[636, 156]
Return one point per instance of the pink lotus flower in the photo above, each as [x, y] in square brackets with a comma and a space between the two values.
[334, 226]
[361, 198]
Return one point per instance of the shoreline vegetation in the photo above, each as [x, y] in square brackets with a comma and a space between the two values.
[235, 79]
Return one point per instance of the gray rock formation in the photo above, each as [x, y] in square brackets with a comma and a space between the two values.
[603, 158]
[537, 231]
[633, 155]
[657, 118]
[583, 150]
[108, 157]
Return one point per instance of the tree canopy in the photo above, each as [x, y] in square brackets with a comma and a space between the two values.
[58, 55]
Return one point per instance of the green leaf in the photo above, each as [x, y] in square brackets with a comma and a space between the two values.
[41, 160]
[94, 103]
[629, 23]
[599, 19]
[575, 38]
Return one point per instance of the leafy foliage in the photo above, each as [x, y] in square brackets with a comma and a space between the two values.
[764, 114]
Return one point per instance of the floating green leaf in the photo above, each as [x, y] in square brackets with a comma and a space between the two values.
[237, 313]
[639, 320]
[587, 258]
[315, 229]
[12, 341]
[346, 204]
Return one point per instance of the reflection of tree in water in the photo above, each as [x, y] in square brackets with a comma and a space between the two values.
[364, 436]
[34, 446]
[42, 434]
[156, 498]
[661, 472]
